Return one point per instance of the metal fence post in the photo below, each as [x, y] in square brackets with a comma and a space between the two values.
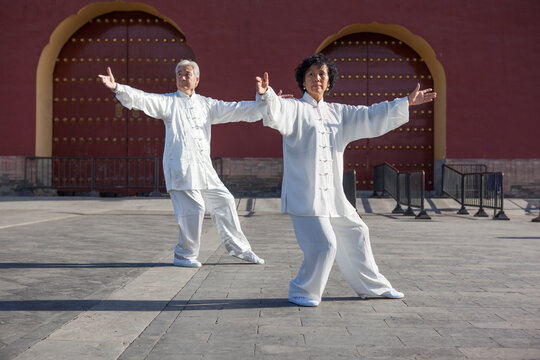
[463, 211]
[25, 171]
[423, 214]
[156, 192]
[26, 191]
[409, 211]
[397, 209]
[442, 179]
[537, 219]
[500, 215]
[481, 212]
[349, 185]
[377, 180]
[93, 191]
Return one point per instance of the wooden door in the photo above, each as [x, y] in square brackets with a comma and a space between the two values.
[142, 51]
[374, 68]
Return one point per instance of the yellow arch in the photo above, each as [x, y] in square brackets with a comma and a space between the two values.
[47, 61]
[423, 49]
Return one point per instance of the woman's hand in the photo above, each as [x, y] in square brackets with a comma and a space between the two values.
[285, 96]
[262, 84]
[418, 96]
[108, 80]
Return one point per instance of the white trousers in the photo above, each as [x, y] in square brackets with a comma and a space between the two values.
[345, 239]
[189, 208]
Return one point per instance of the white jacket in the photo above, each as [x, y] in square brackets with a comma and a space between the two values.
[186, 157]
[315, 136]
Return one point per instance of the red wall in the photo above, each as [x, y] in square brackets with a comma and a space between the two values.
[489, 51]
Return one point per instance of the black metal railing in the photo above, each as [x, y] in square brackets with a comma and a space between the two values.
[470, 168]
[349, 186]
[93, 175]
[407, 188]
[473, 185]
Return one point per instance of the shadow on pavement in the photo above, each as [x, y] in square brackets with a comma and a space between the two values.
[156, 305]
[79, 265]
[141, 305]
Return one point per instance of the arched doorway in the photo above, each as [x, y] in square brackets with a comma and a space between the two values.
[142, 50]
[376, 67]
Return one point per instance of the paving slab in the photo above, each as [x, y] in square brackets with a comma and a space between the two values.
[91, 278]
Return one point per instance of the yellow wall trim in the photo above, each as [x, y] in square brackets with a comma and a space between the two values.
[425, 51]
[47, 61]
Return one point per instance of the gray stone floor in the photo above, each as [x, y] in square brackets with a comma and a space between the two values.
[91, 279]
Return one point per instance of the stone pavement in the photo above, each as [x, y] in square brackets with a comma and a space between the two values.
[84, 278]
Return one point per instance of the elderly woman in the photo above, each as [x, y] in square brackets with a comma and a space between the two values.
[315, 135]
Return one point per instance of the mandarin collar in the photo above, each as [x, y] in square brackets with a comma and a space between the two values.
[310, 100]
[184, 95]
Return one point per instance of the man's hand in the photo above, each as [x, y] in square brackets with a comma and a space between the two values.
[418, 96]
[108, 80]
[262, 84]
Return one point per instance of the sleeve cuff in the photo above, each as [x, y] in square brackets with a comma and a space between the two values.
[117, 88]
[264, 96]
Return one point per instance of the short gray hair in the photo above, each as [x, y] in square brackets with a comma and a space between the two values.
[188, 63]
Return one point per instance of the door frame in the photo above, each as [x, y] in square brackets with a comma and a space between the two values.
[47, 61]
[426, 52]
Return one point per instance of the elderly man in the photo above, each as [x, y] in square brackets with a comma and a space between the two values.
[191, 180]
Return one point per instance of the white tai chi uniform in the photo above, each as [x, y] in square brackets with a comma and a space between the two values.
[191, 180]
[326, 225]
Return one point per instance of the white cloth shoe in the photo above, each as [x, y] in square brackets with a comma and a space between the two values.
[249, 256]
[303, 301]
[393, 294]
[390, 294]
[187, 263]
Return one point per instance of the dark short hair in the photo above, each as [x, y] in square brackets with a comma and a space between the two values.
[319, 59]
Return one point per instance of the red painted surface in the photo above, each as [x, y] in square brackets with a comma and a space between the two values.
[489, 51]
